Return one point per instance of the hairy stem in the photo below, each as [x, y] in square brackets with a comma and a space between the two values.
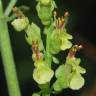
[7, 57]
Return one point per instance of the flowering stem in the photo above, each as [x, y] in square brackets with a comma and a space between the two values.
[9, 7]
[7, 57]
[45, 94]
[48, 57]
[48, 61]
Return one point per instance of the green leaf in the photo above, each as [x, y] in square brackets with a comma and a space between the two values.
[42, 74]
[33, 34]
[77, 81]
[20, 24]
[55, 60]
[35, 94]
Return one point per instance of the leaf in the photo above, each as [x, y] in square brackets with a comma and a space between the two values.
[77, 81]
[33, 34]
[35, 94]
[20, 24]
[42, 74]
[55, 60]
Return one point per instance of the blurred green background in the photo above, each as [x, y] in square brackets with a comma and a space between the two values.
[81, 25]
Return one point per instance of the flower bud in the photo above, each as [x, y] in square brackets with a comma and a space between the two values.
[45, 12]
[20, 24]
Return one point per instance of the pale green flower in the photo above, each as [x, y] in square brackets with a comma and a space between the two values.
[42, 74]
[77, 81]
[33, 34]
[20, 24]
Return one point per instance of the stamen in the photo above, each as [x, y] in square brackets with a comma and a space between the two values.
[73, 51]
[66, 14]
[55, 14]
[35, 49]
[17, 12]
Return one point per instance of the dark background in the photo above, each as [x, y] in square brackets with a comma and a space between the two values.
[81, 25]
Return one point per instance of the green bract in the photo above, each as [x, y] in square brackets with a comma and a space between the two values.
[20, 23]
[55, 60]
[45, 12]
[77, 81]
[42, 74]
[33, 34]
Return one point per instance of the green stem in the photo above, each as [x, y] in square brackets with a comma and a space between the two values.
[46, 87]
[48, 55]
[9, 7]
[45, 94]
[7, 57]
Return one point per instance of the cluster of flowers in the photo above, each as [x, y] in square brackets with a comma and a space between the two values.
[69, 74]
